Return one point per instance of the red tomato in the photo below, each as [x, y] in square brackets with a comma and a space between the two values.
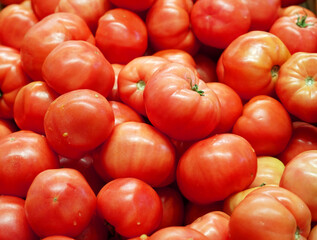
[270, 213]
[151, 154]
[13, 222]
[295, 10]
[77, 122]
[96, 230]
[23, 155]
[63, 196]
[82, 64]
[7, 126]
[123, 113]
[214, 225]
[206, 67]
[12, 78]
[174, 97]
[217, 23]
[168, 24]
[136, 5]
[300, 177]
[251, 62]
[225, 163]
[265, 124]
[43, 8]
[31, 104]
[297, 86]
[177, 233]
[15, 21]
[8, 2]
[313, 233]
[45, 35]
[114, 94]
[131, 206]
[121, 35]
[304, 137]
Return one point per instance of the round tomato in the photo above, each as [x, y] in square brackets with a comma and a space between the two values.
[178, 233]
[43, 8]
[123, 113]
[295, 10]
[206, 67]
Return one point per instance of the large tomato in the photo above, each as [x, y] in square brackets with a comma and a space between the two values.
[43, 8]
[206, 67]
[296, 10]
[297, 86]
[180, 104]
[124, 113]
[177, 55]
[251, 62]
[213, 168]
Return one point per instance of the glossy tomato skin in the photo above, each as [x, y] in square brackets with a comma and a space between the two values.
[131, 206]
[217, 23]
[13, 222]
[121, 36]
[299, 177]
[77, 122]
[64, 196]
[175, 96]
[266, 124]
[31, 104]
[252, 74]
[268, 210]
[82, 64]
[295, 10]
[24, 154]
[43, 8]
[45, 35]
[177, 233]
[213, 163]
[124, 113]
[313, 233]
[15, 21]
[296, 86]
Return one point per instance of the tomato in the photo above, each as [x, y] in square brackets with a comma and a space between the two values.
[136, 5]
[8, 2]
[131, 206]
[299, 177]
[45, 35]
[313, 233]
[177, 233]
[96, 230]
[15, 21]
[174, 97]
[31, 104]
[77, 122]
[121, 35]
[225, 163]
[270, 212]
[123, 113]
[12, 78]
[23, 155]
[295, 10]
[151, 155]
[7, 126]
[251, 62]
[206, 67]
[297, 86]
[114, 94]
[265, 124]
[217, 23]
[43, 8]
[82, 64]
[133, 78]
[176, 55]
[304, 137]
[13, 222]
[63, 196]
[168, 23]
[214, 225]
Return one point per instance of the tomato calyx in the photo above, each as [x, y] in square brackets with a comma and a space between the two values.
[301, 22]
[141, 85]
[195, 88]
[297, 234]
[274, 72]
[309, 81]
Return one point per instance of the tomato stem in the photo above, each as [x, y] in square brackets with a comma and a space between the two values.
[301, 22]
[140, 85]
[274, 71]
[297, 234]
[195, 88]
[309, 81]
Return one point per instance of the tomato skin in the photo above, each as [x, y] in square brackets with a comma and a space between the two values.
[123, 113]
[24, 154]
[212, 163]
[295, 10]
[252, 74]
[296, 86]
[176, 55]
[313, 233]
[82, 64]
[31, 104]
[77, 122]
[43, 8]
[121, 35]
[299, 177]
[114, 94]
[270, 213]
[169, 96]
[265, 124]
[217, 23]
[137, 5]
[131, 206]
[177, 233]
[206, 67]
[64, 196]
[7, 126]
[13, 222]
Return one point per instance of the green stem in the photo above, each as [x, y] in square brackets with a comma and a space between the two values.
[195, 88]
[274, 71]
[297, 234]
[140, 85]
[309, 81]
[301, 22]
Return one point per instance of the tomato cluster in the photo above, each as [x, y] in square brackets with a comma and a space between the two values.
[158, 119]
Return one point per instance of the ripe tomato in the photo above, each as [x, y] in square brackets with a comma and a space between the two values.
[177, 233]
[217, 23]
[96, 230]
[313, 233]
[131, 206]
[114, 94]
[123, 113]
[176, 55]
[7, 126]
[251, 62]
[77, 122]
[43, 8]
[174, 97]
[265, 124]
[297, 86]
[63, 196]
[23, 155]
[225, 163]
[31, 104]
[82, 64]
[206, 67]
[136, 5]
[121, 36]
[295, 10]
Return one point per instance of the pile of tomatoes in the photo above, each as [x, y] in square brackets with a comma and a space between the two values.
[158, 119]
